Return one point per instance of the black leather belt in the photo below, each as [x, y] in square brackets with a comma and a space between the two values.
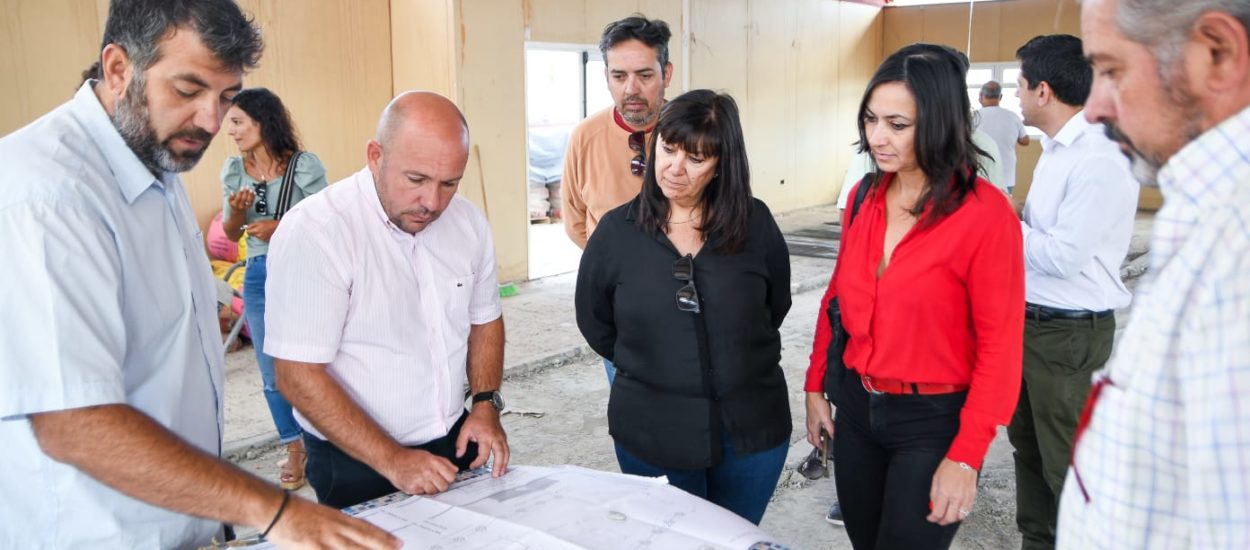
[1044, 313]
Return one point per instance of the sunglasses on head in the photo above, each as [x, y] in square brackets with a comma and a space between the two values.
[637, 142]
[262, 206]
[687, 296]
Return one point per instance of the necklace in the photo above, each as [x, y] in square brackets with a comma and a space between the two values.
[265, 175]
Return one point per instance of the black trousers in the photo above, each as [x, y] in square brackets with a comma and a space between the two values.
[886, 449]
[341, 481]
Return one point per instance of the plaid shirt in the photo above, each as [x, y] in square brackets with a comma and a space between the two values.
[1166, 456]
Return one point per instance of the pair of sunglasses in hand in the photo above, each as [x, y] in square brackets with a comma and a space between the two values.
[816, 465]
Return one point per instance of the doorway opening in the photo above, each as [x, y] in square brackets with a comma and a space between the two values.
[563, 83]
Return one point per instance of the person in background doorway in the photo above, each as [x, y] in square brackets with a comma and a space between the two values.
[1005, 128]
[255, 185]
[685, 288]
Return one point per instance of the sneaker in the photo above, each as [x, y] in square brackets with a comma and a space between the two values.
[835, 514]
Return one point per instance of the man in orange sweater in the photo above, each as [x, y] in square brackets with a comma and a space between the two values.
[607, 152]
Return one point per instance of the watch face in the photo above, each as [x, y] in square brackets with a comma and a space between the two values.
[496, 399]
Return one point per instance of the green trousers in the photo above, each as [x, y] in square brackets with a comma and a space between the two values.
[1060, 356]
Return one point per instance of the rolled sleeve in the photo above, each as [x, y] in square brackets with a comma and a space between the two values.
[64, 339]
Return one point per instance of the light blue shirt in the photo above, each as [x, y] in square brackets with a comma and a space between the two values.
[108, 299]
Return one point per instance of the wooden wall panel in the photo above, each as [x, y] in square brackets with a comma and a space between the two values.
[582, 21]
[491, 87]
[329, 61]
[423, 46]
[998, 28]
[793, 72]
[44, 47]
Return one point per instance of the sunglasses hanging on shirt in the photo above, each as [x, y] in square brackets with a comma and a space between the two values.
[687, 296]
[638, 141]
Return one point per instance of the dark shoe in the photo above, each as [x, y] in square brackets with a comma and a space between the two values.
[835, 514]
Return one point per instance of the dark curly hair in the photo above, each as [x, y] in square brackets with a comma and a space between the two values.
[276, 129]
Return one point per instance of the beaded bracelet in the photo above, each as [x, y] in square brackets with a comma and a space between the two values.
[286, 497]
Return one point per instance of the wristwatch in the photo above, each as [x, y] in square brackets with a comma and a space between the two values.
[495, 398]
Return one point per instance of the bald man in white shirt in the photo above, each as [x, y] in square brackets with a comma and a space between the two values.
[382, 302]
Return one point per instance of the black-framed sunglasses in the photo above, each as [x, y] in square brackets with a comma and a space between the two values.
[637, 143]
[262, 206]
[687, 296]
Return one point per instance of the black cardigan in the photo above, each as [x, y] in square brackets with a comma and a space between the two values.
[665, 407]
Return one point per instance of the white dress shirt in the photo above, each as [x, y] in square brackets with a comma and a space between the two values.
[1005, 128]
[1166, 456]
[108, 299]
[1078, 221]
[389, 312]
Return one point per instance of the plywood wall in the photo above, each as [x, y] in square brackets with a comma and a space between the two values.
[797, 74]
[330, 62]
[44, 47]
[998, 28]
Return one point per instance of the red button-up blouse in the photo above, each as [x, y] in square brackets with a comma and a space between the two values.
[949, 308]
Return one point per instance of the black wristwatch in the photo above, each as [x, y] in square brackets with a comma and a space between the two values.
[495, 398]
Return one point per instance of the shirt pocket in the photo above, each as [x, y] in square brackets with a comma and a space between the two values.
[460, 291]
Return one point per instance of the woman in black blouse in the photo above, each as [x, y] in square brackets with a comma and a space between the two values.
[684, 288]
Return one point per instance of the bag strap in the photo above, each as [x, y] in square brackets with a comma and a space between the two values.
[288, 187]
[860, 193]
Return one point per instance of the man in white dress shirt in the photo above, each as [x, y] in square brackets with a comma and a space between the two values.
[1164, 461]
[1005, 128]
[110, 358]
[382, 303]
[1077, 223]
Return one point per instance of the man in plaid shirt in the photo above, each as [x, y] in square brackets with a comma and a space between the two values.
[1163, 460]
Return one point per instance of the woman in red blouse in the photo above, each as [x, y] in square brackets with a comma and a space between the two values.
[930, 281]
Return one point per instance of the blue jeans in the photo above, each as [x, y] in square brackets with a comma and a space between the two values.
[740, 484]
[609, 368]
[254, 311]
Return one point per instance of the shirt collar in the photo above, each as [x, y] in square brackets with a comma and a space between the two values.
[1070, 132]
[133, 178]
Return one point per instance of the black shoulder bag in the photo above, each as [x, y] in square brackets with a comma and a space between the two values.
[835, 369]
[288, 187]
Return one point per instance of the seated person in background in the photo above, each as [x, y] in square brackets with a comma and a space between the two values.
[382, 300]
[684, 289]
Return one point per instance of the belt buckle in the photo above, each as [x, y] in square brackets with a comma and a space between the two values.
[866, 381]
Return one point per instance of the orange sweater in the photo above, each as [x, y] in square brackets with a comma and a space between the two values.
[596, 174]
